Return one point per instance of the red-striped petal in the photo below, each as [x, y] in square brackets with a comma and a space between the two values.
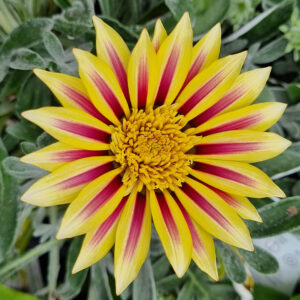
[98, 242]
[102, 86]
[241, 145]
[113, 50]
[241, 204]
[132, 240]
[235, 178]
[172, 230]
[203, 254]
[259, 116]
[213, 214]
[70, 92]
[174, 58]
[204, 52]
[243, 92]
[95, 202]
[142, 73]
[208, 86]
[64, 184]
[71, 126]
[56, 155]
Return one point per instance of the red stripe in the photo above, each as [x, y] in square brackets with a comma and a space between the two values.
[168, 218]
[243, 123]
[201, 202]
[84, 103]
[143, 78]
[197, 243]
[223, 103]
[224, 173]
[70, 155]
[119, 69]
[135, 226]
[108, 95]
[226, 197]
[167, 76]
[201, 93]
[195, 68]
[102, 197]
[82, 130]
[85, 177]
[228, 148]
[107, 224]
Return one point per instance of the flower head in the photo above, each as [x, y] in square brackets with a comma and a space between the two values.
[164, 133]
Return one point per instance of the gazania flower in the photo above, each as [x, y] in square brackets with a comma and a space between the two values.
[166, 133]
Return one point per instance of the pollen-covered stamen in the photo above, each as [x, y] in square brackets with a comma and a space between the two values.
[151, 147]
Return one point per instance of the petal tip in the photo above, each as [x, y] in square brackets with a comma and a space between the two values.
[280, 193]
[61, 234]
[144, 34]
[217, 28]
[121, 285]
[180, 270]
[79, 53]
[27, 114]
[39, 72]
[213, 273]
[248, 245]
[184, 21]
[242, 55]
[265, 72]
[258, 218]
[97, 20]
[77, 266]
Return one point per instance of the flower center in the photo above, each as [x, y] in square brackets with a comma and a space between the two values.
[151, 147]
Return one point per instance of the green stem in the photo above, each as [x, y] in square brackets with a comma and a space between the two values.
[18, 263]
[53, 260]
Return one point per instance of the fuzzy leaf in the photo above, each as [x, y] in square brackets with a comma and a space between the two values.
[260, 260]
[144, 284]
[278, 217]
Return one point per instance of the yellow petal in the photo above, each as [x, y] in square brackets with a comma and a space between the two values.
[64, 184]
[53, 156]
[102, 86]
[95, 202]
[241, 145]
[70, 92]
[259, 116]
[159, 35]
[236, 178]
[99, 241]
[209, 85]
[132, 240]
[243, 92]
[113, 50]
[240, 204]
[172, 230]
[142, 73]
[71, 126]
[203, 254]
[205, 52]
[174, 60]
[213, 214]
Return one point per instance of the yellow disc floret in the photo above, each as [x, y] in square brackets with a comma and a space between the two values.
[151, 147]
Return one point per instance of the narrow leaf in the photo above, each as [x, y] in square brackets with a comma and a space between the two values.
[234, 267]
